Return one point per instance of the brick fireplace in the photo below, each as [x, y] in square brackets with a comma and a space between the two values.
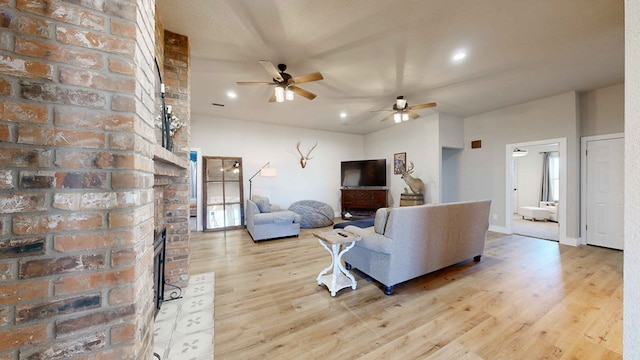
[79, 163]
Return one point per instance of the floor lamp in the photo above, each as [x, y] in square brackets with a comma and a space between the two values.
[264, 171]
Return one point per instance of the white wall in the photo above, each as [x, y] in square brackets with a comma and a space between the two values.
[602, 111]
[258, 143]
[419, 139]
[482, 171]
[451, 131]
[450, 175]
[631, 314]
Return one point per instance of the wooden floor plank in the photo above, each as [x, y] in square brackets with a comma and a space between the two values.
[526, 299]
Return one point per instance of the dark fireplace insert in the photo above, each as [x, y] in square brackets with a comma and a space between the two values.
[159, 241]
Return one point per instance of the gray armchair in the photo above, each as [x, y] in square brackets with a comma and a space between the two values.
[266, 221]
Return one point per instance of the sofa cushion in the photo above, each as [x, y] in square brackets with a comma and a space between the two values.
[278, 217]
[371, 240]
[380, 221]
[262, 202]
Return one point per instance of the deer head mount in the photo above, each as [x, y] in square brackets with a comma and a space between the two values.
[416, 185]
[304, 158]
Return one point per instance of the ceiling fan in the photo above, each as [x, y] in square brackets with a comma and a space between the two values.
[285, 84]
[401, 110]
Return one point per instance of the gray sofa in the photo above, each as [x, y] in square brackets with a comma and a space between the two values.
[267, 221]
[407, 242]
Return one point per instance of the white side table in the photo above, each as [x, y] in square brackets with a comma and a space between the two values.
[333, 240]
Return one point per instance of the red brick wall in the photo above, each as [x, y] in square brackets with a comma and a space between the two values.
[76, 176]
[176, 194]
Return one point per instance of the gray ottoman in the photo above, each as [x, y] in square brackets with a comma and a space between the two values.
[314, 214]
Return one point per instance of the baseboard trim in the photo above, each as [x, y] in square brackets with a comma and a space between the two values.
[498, 229]
[571, 241]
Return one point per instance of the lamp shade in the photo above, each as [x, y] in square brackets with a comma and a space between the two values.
[397, 117]
[288, 94]
[268, 172]
[279, 94]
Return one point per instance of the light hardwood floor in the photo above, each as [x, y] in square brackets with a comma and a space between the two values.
[526, 299]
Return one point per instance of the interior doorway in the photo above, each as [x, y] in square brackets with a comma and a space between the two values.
[222, 191]
[534, 166]
[524, 194]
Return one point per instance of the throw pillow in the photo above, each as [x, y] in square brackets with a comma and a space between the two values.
[262, 202]
[380, 221]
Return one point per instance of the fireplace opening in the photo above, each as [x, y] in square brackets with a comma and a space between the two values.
[159, 242]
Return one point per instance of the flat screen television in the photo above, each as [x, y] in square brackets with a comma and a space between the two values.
[363, 173]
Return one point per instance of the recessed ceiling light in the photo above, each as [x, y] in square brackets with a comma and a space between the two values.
[343, 114]
[459, 56]
[232, 94]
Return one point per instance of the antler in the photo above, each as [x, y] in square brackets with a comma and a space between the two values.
[309, 153]
[298, 147]
[303, 159]
[410, 169]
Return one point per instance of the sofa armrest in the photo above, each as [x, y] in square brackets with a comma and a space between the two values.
[371, 240]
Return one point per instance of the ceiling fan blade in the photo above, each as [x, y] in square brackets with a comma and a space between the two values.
[307, 78]
[272, 70]
[273, 97]
[421, 106]
[374, 111]
[413, 115]
[302, 92]
[387, 117]
[255, 83]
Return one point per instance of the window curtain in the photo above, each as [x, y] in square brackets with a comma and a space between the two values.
[550, 190]
[546, 191]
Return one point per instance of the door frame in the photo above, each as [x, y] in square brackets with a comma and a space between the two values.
[583, 179]
[508, 204]
[238, 160]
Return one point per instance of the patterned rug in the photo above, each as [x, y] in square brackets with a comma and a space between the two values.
[184, 327]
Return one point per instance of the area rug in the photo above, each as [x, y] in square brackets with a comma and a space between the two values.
[538, 229]
[184, 327]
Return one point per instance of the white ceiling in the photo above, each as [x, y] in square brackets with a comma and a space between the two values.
[370, 51]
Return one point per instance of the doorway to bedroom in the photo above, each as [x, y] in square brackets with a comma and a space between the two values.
[535, 191]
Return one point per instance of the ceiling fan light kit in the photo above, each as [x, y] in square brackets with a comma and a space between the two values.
[401, 111]
[285, 85]
[400, 116]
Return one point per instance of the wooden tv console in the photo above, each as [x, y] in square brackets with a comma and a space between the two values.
[362, 203]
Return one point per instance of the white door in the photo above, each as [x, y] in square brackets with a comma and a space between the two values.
[605, 193]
